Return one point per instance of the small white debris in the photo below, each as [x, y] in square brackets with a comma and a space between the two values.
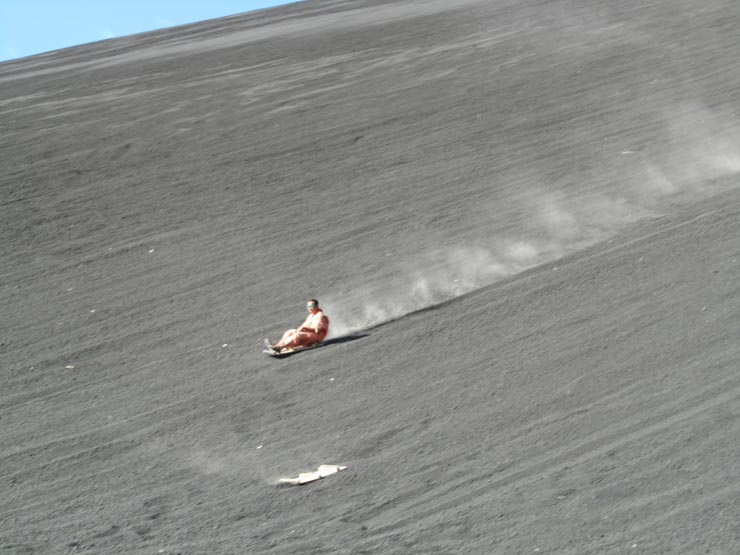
[628, 152]
[93, 310]
[69, 367]
[331, 379]
[151, 250]
[69, 288]
[305, 477]
[634, 545]
[704, 309]
[259, 447]
[225, 345]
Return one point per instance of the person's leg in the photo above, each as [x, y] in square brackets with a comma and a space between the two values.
[306, 338]
[287, 339]
[293, 339]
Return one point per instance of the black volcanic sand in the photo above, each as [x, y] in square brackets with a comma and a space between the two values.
[521, 217]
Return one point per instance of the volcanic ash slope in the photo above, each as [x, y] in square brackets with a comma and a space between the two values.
[521, 218]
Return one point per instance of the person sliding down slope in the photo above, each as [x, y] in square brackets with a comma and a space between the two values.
[313, 330]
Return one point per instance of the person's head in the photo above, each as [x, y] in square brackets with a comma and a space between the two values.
[312, 305]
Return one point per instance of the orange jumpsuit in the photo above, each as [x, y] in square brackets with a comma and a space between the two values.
[313, 330]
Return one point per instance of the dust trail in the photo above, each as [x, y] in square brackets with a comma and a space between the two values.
[257, 460]
[442, 274]
[229, 456]
[248, 463]
[705, 144]
[700, 146]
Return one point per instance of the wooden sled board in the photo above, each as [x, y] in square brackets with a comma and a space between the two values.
[288, 352]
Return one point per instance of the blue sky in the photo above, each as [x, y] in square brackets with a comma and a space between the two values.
[30, 27]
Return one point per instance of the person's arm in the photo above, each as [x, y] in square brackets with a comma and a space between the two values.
[310, 324]
[303, 326]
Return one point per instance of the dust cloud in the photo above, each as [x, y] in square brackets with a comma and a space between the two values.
[700, 147]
